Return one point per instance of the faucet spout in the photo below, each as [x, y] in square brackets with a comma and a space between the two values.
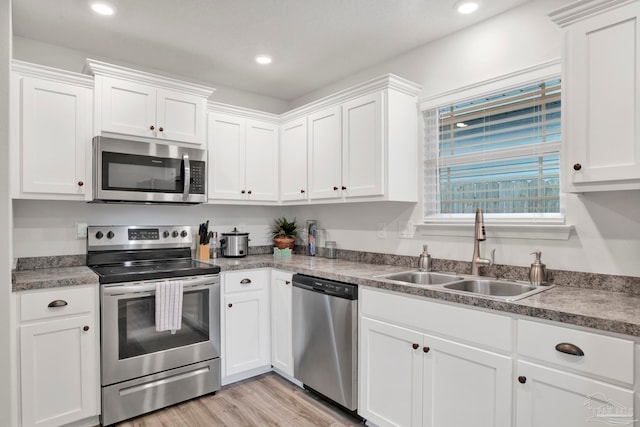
[479, 236]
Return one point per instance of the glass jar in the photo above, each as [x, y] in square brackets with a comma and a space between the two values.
[331, 250]
[321, 237]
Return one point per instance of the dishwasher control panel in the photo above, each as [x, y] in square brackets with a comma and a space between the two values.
[330, 287]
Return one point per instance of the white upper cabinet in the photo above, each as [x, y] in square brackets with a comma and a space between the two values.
[138, 104]
[293, 160]
[243, 158]
[362, 145]
[601, 95]
[362, 148]
[325, 154]
[50, 133]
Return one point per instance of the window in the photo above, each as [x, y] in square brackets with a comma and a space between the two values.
[499, 152]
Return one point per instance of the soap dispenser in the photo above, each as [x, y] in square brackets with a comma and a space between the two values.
[538, 271]
[424, 262]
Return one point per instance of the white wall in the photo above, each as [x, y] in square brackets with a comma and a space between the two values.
[43, 228]
[72, 60]
[6, 335]
[516, 39]
[607, 226]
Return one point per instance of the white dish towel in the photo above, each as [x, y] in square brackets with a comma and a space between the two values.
[169, 305]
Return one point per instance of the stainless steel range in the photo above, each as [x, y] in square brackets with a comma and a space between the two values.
[144, 369]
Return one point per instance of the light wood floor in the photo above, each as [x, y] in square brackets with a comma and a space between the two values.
[266, 400]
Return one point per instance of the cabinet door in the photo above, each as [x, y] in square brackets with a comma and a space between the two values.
[325, 154]
[261, 161]
[457, 375]
[246, 332]
[362, 146]
[127, 107]
[55, 138]
[226, 157]
[549, 397]
[390, 377]
[293, 160]
[58, 371]
[281, 326]
[180, 117]
[602, 88]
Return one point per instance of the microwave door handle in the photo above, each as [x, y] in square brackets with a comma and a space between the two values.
[187, 176]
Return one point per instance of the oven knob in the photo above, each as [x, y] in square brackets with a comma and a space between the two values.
[174, 233]
[99, 235]
[165, 234]
[183, 233]
[110, 235]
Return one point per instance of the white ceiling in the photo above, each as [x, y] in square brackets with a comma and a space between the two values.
[313, 42]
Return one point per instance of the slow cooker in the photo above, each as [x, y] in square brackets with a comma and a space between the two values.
[235, 244]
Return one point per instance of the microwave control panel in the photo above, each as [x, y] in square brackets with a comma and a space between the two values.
[198, 177]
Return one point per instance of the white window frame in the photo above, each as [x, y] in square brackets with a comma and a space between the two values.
[533, 226]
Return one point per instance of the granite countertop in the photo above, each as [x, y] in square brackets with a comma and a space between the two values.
[24, 280]
[608, 311]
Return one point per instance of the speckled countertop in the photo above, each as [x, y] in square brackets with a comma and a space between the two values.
[608, 311]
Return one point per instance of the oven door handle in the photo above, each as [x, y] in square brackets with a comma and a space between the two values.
[187, 176]
[150, 288]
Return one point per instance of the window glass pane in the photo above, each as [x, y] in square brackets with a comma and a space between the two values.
[499, 152]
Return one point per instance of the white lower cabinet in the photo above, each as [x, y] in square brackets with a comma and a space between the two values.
[414, 379]
[550, 397]
[245, 323]
[59, 368]
[572, 378]
[411, 375]
[281, 326]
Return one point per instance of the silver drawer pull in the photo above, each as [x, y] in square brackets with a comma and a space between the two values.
[567, 348]
[57, 303]
[245, 281]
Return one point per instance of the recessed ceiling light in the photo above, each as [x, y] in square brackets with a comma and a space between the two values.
[102, 9]
[263, 59]
[467, 6]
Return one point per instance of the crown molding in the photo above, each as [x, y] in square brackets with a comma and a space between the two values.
[99, 68]
[49, 73]
[386, 81]
[583, 9]
[247, 113]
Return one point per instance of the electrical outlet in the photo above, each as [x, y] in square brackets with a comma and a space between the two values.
[407, 230]
[81, 230]
[382, 230]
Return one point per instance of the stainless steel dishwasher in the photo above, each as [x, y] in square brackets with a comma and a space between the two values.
[325, 338]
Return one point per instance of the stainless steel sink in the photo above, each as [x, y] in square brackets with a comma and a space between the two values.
[504, 290]
[421, 277]
[491, 287]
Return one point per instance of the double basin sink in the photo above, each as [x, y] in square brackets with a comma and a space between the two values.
[504, 290]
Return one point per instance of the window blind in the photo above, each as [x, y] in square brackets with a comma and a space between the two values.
[500, 153]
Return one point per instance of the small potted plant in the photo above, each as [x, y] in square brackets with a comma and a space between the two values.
[284, 232]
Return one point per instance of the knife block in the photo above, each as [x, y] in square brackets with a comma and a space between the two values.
[203, 252]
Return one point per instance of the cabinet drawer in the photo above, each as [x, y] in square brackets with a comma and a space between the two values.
[64, 302]
[465, 324]
[245, 280]
[604, 356]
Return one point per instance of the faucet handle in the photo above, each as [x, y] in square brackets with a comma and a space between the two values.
[493, 256]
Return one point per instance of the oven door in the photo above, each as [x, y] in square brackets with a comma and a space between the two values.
[131, 346]
[144, 172]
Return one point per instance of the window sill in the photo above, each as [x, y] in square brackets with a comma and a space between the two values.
[501, 229]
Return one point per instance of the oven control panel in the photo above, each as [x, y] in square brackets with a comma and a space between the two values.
[101, 237]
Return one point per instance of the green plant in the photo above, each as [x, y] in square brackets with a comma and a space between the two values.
[282, 227]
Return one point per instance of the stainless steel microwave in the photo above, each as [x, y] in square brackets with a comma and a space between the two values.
[141, 172]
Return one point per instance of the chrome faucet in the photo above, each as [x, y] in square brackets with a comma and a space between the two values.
[479, 236]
